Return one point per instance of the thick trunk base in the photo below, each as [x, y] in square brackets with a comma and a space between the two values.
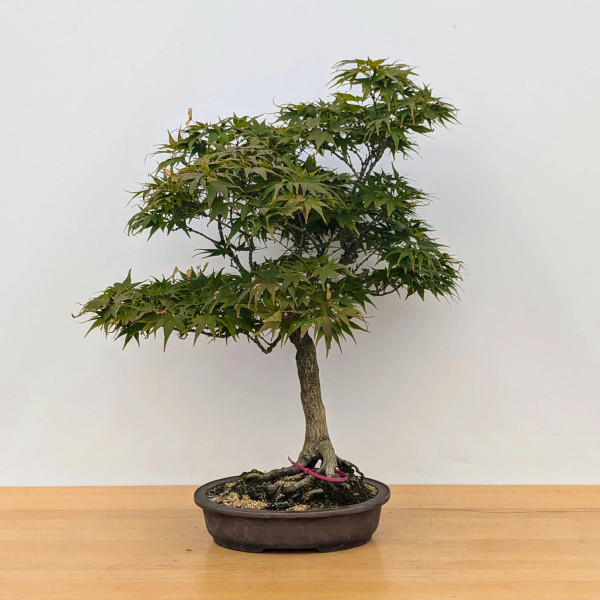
[317, 443]
[290, 489]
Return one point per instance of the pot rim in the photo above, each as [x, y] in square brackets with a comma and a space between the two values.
[204, 502]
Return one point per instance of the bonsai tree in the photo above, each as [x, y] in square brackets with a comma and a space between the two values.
[305, 220]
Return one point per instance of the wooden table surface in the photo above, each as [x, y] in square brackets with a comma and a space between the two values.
[434, 542]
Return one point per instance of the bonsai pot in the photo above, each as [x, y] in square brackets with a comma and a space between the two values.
[325, 530]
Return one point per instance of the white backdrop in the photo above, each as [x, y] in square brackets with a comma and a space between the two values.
[501, 387]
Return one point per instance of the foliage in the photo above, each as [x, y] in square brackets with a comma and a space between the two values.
[307, 245]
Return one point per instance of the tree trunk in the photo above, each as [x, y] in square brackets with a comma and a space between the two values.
[317, 444]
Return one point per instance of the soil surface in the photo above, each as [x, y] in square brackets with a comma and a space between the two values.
[275, 495]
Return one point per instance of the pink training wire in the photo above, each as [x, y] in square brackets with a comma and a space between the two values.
[314, 473]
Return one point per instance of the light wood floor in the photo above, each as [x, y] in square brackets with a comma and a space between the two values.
[434, 542]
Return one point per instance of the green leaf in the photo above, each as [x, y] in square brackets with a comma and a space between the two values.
[302, 214]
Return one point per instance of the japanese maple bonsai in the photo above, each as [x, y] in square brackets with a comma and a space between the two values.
[311, 221]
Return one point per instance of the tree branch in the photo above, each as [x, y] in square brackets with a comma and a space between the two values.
[215, 242]
[364, 260]
[251, 249]
[269, 346]
[232, 255]
[347, 163]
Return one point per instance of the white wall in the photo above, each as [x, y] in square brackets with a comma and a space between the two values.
[502, 387]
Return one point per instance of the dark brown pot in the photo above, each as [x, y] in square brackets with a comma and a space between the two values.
[325, 530]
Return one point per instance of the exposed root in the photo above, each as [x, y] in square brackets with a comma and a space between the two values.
[311, 494]
[259, 476]
[288, 488]
[349, 467]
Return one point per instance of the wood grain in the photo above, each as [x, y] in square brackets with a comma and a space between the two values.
[434, 542]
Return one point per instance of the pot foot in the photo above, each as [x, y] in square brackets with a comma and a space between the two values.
[343, 546]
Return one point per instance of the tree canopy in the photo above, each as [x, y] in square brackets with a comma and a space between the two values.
[305, 209]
